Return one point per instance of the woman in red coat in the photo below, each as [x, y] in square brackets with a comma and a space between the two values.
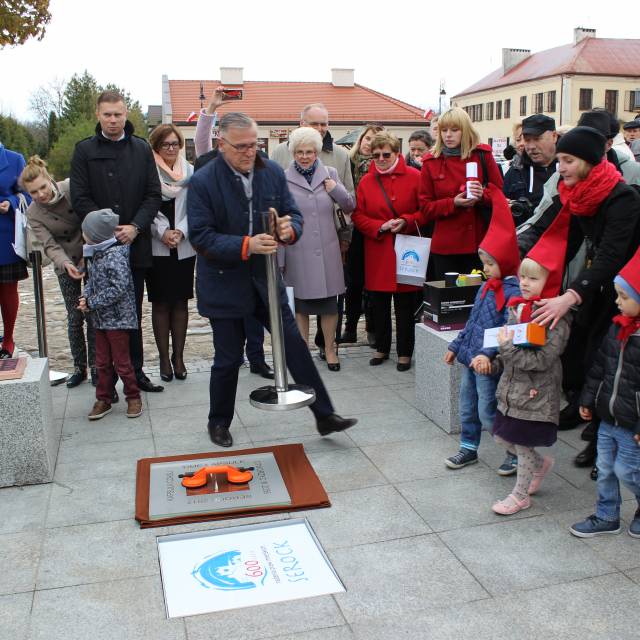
[459, 225]
[377, 218]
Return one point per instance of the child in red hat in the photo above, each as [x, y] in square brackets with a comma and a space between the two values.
[499, 254]
[613, 390]
[528, 393]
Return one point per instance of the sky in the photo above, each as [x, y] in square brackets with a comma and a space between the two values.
[403, 48]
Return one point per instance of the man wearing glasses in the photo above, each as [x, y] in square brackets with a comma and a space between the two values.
[115, 169]
[226, 200]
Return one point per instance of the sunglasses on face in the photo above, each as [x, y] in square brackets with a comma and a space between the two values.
[381, 154]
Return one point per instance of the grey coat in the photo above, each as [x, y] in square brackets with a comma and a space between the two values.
[109, 290]
[313, 265]
[531, 381]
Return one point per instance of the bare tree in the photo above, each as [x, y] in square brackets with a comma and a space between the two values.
[46, 99]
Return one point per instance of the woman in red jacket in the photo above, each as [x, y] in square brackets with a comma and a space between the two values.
[387, 191]
[459, 225]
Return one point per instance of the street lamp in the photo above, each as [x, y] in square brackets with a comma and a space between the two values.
[202, 97]
[442, 93]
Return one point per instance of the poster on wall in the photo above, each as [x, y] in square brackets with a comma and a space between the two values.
[250, 565]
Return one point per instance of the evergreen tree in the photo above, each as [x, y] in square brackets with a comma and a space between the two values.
[53, 129]
[17, 137]
[62, 151]
[80, 97]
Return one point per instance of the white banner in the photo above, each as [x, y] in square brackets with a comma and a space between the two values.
[243, 566]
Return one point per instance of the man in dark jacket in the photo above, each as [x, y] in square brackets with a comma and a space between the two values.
[225, 202]
[525, 179]
[115, 170]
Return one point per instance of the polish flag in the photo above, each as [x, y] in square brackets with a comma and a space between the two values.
[192, 116]
[428, 114]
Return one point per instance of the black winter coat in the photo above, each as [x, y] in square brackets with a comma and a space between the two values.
[121, 176]
[613, 382]
[517, 182]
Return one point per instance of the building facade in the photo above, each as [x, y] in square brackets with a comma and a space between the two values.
[562, 82]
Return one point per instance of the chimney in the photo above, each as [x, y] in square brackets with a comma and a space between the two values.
[342, 77]
[580, 33]
[231, 76]
[513, 57]
[167, 108]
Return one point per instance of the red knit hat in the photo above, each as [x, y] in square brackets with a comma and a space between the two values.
[629, 277]
[500, 240]
[550, 252]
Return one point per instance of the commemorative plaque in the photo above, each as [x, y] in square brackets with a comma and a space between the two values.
[168, 498]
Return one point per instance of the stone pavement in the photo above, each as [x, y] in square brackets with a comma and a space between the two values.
[417, 545]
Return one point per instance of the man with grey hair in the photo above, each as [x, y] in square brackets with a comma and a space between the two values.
[225, 203]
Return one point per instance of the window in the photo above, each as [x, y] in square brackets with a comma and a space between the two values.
[190, 150]
[632, 102]
[479, 110]
[586, 99]
[611, 101]
[507, 108]
[551, 102]
[498, 109]
[538, 100]
[489, 111]
[523, 105]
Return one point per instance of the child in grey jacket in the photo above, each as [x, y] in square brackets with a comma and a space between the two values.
[109, 296]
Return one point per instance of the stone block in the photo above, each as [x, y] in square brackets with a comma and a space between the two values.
[29, 436]
[437, 383]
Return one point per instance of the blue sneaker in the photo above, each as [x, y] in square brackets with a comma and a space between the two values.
[634, 527]
[509, 466]
[462, 459]
[594, 526]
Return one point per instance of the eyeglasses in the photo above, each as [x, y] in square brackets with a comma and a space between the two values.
[170, 145]
[381, 154]
[242, 148]
[305, 154]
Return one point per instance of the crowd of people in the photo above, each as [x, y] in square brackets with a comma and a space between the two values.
[557, 236]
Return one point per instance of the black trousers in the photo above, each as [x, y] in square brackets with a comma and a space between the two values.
[405, 305]
[460, 262]
[228, 340]
[356, 298]
[254, 331]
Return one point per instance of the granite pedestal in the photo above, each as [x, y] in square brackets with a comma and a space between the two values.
[437, 383]
[28, 438]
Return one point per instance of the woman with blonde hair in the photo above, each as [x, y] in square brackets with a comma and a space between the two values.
[459, 224]
[57, 227]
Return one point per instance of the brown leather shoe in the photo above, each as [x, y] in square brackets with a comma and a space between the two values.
[134, 408]
[100, 410]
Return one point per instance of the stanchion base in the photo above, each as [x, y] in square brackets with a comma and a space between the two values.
[57, 377]
[269, 399]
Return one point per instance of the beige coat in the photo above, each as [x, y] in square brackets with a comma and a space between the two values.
[531, 381]
[58, 228]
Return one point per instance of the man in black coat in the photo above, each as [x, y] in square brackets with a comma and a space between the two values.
[115, 169]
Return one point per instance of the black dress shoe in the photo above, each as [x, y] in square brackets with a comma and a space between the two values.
[334, 423]
[587, 457]
[376, 362]
[5, 355]
[180, 375]
[166, 377]
[262, 369]
[590, 431]
[76, 378]
[594, 474]
[333, 366]
[403, 366]
[348, 337]
[144, 384]
[220, 435]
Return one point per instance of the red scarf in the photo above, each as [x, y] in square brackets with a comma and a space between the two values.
[525, 316]
[628, 326]
[584, 197]
[495, 284]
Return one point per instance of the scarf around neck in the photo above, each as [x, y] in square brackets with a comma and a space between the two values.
[584, 198]
[628, 326]
[391, 169]
[446, 151]
[56, 196]
[172, 181]
[527, 306]
[306, 173]
[495, 285]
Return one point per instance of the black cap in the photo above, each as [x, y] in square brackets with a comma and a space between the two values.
[600, 120]
[632, 124]
[537, 124]
[586, 143]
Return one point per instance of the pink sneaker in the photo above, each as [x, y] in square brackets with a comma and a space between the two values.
[538, 476]
[511, 505]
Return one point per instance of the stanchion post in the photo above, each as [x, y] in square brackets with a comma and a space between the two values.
[38, 290]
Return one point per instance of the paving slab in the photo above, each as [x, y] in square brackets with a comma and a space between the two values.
[363, 516]
[130, 609]
[524, 554]
[23, 508]
[114, 427]
[369, 400]
[175, 444]
[19, 557]
[316, 442]
[400, 577]
[15, 610]
[386, 427]
[345, 470]
[184, 419]
[179, 395]
[327, 633]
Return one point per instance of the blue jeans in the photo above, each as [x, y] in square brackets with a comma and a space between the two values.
[618, 461]
[477, 407]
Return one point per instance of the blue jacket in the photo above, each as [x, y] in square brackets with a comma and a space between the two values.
[227, 285]
[484, 315]
[109, 290]
[11, 166]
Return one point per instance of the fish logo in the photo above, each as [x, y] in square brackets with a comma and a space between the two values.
[228, 571]
[411, 254]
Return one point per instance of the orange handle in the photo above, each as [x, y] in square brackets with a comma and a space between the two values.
[234, 476]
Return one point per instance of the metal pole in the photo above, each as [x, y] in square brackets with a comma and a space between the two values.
[38, 291]
[282, 396]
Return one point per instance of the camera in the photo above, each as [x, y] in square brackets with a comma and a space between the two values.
[522, 207]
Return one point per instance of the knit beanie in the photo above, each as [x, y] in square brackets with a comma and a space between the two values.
[599, 120]
[100, 225]
[586, 143]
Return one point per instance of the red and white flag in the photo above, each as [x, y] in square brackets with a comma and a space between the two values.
[192, 116]
[428, 114]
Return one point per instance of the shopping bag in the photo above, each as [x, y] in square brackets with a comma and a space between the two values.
[20, 235]
[412, 256]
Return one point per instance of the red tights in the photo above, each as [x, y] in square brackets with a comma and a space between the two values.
[9, 302]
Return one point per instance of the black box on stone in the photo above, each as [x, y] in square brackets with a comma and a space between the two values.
[447, 308]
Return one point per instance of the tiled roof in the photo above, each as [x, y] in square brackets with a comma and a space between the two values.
[591, 56]
[281, 102]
